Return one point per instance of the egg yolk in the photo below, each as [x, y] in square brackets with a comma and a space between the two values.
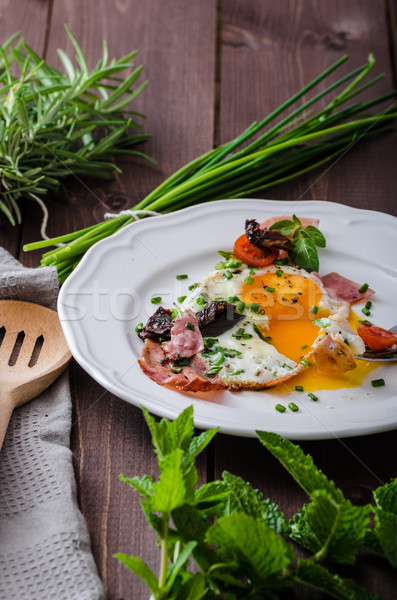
[291, 302]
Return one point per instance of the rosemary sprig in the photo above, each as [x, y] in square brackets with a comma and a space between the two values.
[296, 144]
[53, 125]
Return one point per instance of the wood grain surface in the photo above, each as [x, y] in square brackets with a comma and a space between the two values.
[213, 67]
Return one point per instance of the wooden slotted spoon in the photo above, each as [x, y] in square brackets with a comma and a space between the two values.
[33, 352]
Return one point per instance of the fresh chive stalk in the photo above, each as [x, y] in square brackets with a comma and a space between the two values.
[277, 149]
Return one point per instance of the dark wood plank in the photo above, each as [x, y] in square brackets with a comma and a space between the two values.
[176, 46]
[269, 51]
[31, 20]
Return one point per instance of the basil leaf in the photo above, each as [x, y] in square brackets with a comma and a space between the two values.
[305, 252]
[316, 236]
[285, 227]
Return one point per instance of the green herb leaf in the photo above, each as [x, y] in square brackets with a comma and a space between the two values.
[316, 236]
[285, 227]
[304, 253]
[320, 578]
[140, 568]
[386, 520]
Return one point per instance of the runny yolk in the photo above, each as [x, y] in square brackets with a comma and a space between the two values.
[291, 302]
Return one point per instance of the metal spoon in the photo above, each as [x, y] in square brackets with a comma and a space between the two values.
[380, 355]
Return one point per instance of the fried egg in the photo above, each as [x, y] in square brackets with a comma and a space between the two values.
[285, 310]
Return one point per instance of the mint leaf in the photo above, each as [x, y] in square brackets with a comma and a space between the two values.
[299, 465]
[190, 523]
[181, 430]
[296, 221]
[194, 588]
[212, 498]
[256, 547]
[331, 529]
[199, 442]
[305, 253]
[316, 236]
[136, 565]
[170, 491]
[285, 227]
[386, 520]
[320, 578]
[144, 485]
[244, 498]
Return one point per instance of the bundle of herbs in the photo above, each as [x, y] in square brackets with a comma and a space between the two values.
[226, 540]
[54, 125]
[258, 159]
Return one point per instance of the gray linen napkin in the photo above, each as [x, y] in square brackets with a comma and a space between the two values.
[44, 543]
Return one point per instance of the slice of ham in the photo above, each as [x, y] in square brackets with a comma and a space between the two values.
[304, 220]
[156, 365]
[185, 341]
[340, 288]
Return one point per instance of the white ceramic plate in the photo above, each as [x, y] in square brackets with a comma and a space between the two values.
[109, 294]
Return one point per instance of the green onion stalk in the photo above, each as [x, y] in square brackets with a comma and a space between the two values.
[254, 161]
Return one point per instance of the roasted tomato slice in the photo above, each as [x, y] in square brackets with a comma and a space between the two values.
[376, 338]
[253, 256]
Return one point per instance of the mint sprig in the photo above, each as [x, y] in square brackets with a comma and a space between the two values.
[306, 240]
[239, 541]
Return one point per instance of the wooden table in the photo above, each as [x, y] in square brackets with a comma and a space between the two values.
[213, 67]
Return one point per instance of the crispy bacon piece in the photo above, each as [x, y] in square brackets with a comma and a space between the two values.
[263, 238]
[155, 364]
[217, 317]
[159, 325]
[186, 338]
[340, 288]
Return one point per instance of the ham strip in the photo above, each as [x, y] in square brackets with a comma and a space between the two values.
[185, 340]
[155, 364]
[304, 220]
[340, 288]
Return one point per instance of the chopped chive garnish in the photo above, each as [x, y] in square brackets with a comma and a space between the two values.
[190, 326]
[299, 388]
[240, 307]
[280, 408]
[201, 300]
[224, 254]
[248, 280]
[314, 310]
[312, 397]
[285, 366]
[305, 362]
[228, 274]
[365, 322]
[156, 300]
[292, 406]
[270, 289]
[181, 362]
[209, 342]
[139, 327]
[233, 299]
[219, 298]
[237, 373]
[255, 307]
[258, 332]
[213, 371]
[305, 346]
[279, 273]
[366, 311]
[177, 370]
[182, 276]
[281, 261]
[246, 336]
[363, 288]
[368, 305]
[181, 299]
[268, 338]
[378, 382]
[192, 287]
[239, 333]
[233, 263]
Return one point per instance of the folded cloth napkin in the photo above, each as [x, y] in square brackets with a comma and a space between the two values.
[44, 543]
